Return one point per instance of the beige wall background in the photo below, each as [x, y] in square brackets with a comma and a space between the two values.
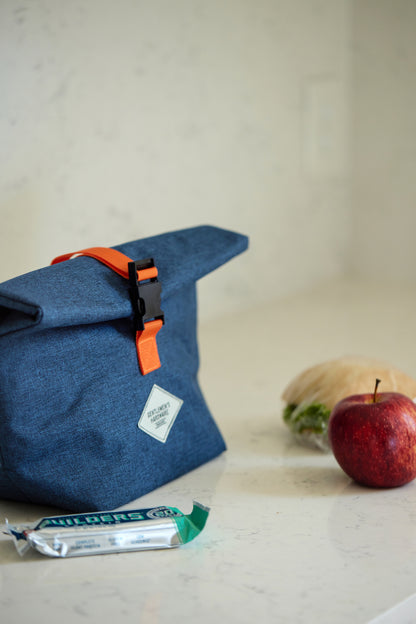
[384, 139]
[292, 121]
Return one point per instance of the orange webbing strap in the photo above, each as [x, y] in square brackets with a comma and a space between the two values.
[146, 346]
[147, 352]
[114, 259]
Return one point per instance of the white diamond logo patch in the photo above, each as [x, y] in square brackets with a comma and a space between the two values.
[159, 413]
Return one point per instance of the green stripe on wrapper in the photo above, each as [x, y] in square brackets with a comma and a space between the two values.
[191, 525]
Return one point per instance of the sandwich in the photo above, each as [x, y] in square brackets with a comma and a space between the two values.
[310, 397]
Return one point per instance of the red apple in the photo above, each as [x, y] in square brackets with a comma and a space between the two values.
[373, 438]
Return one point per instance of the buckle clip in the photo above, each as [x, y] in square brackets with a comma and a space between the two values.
[145, 291]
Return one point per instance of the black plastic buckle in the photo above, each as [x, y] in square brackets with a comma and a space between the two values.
[144, 295]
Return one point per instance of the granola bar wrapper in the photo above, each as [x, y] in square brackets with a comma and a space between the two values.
[109, 531]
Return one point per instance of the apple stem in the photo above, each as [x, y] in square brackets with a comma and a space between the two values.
[375, 390]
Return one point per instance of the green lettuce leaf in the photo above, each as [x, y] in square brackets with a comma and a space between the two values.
[306, 419]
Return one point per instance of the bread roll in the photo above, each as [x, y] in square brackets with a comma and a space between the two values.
[331, 381]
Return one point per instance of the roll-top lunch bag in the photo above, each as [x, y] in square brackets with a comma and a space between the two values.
[99, 396]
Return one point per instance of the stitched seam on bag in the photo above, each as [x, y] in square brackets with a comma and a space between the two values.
[6, 472]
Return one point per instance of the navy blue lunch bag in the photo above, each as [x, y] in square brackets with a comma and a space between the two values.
[99, 396]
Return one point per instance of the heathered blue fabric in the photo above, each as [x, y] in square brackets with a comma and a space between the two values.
[71, 392]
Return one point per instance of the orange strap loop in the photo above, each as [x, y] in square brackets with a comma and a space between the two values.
[112, 258]
[146, 345]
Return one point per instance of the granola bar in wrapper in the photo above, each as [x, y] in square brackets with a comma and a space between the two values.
[109, 531]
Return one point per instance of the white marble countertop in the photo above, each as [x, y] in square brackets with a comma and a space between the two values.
[290, 538]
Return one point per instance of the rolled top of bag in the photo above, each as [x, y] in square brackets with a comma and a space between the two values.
[43, 299]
